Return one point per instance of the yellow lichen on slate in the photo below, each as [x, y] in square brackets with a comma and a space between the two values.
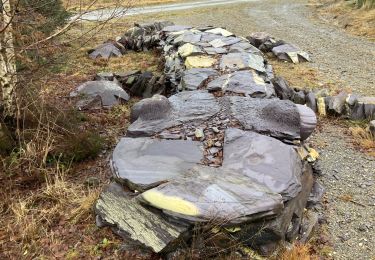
[199, 62]
[171, 203]
[321, 106]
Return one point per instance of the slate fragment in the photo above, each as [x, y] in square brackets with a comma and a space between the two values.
[308, 121]
[206, 193]
[194, 78]
[107, 50]
[274, 117]
[103, 93]
[282, 89]
[248, 83]
[132, 221]
[264, 160]
[288, 52]
[243, 60]
[143, 163]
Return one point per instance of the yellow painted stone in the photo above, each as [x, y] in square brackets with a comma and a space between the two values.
[233, 229]
[303, 153]
[171, 203]
[199, 62]
[321, 106]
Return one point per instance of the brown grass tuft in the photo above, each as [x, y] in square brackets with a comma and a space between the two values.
[298, 252]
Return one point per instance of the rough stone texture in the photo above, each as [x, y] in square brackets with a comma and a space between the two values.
[284, 226]
[131, 220]
[308, 121]
[243, 60]
[242, 82]
[144, 163]
[106, 51]
[192, 79]
[154, 108]
[316, 194]
[224, 41]
[206, 193]
[265, 160]
[189, 49]
[337, 103]
[185, 107]
[103, 93]
[220, 31]
[282, 89]
[311, 101]
[278, 118]
[291, 53]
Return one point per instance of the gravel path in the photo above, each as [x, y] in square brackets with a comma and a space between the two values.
[340, 58]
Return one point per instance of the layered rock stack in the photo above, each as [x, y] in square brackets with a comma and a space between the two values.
[224, 148]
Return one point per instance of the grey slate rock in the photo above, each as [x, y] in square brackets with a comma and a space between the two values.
[311, 101]
[106, 51]
[274, 117]
[143, 163]
[105, 93]
[243, 60]
[264, 160]
[281, 228]
[299, 97]
[363, 109]
[224, 41]
[214, 51]
[157, 107]
[187, 106]
[337, 103]
[288, 52]
[242, 82]
[308, 121]
[282, 89]
[192, 79]
[206, 193]
[131, 220]
[372, 128]
[316, 194]
[104, 76]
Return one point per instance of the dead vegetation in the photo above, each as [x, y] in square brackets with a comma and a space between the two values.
[362, 138]
[347, 15]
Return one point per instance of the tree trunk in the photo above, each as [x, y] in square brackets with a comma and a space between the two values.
[8, 77]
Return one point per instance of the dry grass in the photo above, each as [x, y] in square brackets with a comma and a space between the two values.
[301, 75]
[363, 139]
[298, 252]
[357, 21]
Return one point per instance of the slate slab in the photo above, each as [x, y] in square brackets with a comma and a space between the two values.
[144, 163]
[243, 60]
[106, 51]
[308, 121]
[131, 220]
[274, 117]
[264, 160]
[291, 53]
[185, 107]
[106, 93]
[248, 83]
[192, 79]
[207, 193]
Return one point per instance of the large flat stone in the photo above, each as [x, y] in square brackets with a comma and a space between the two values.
[265, 160]
[185, 107]
[144, 163]
[132, 221]
[206, 193]
[274, 117]
[106, 93]
[242, 60]
[248, 83]
[106, 51]
[192, 79]
[200, 61]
